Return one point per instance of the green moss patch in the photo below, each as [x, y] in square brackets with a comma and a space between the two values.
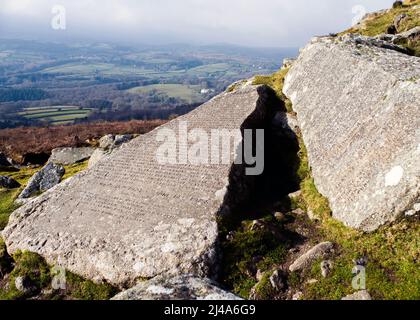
[74, 169]
[249, 250]
[39, 276]
[82, 289]
[276, 82]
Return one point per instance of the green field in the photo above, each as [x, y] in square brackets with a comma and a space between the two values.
[188, 93]
[57, 114]
[210, 68]
[109, 69]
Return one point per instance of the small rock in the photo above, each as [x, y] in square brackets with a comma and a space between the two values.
[294, 250]
[121, 139]
[277, 280]
[259, 275]
[257, 225]
[110, 141]
[298, 212]
[23, 285]
[398, 20]
[8, 183]
[253, 293]
[295, 195]
[43, 180]
[230, 236]
[414, 211]
[280, 216]
[321, 250]
[297, 296]
[312, 216]
[69, 156]
[97, 155]
[184, 287]
[106, 142]
[361, 261]
[326, 267]
[288, 62]
[312, 281]
[360, 295]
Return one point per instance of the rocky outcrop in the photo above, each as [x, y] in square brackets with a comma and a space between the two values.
[111, 141]
[138, 215]
[97, 155]
[357, 105]
[358, 296]
[8, 183]
[48, 177]
[69, 156]
[108, 144]
[184, 287]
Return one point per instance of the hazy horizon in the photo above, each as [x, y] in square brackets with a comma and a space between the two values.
[246, 23]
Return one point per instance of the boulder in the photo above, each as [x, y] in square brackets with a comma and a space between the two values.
[8, 183]
[359, 295]
[357, 105]
[398, 20]
[288, 62]
[138, 215]
[278, 280]
[97, 155]
[110, 141]
[321, 250]
[48, 177]
[121, 139]
[106, 142]
[69, 156]
[24, 285]
[183, 287]
[326, 267]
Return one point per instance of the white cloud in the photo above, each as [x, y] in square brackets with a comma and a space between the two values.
[251, 22]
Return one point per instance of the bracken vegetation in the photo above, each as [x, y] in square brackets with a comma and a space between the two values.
[16, 143]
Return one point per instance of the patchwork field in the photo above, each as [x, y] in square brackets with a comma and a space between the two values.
[56, 115]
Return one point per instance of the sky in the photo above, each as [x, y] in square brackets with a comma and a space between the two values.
[253, 23]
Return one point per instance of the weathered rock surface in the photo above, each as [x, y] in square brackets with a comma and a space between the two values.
[130, 216]
[321, 250]
[110, 141]
[97, 155]
[358, 108]
[107, 145]
[8, 183]
[43, 180]
[69, 156]
[359, 295]
[184, 287]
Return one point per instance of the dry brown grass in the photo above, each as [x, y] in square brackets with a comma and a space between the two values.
[18, 142]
